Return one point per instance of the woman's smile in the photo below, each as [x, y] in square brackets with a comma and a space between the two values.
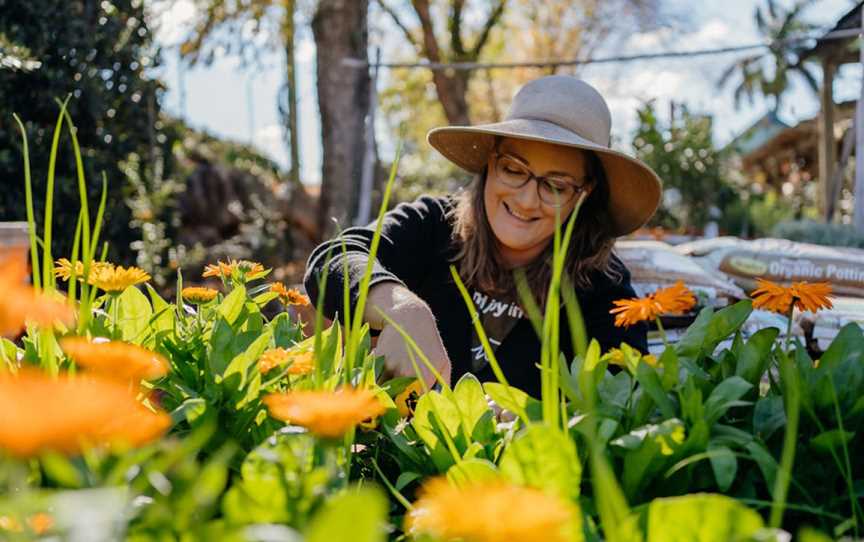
[520, 217]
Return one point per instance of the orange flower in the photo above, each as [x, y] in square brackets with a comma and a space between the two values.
[631, 311]
[407, 400]
[40, 523]
[500, 512]
[812, 297]
[117, 278]
[289, 296]
[302, 361]
[247, 270]
[196, 294]
[21, 303]
[773, 297]
[675, 299]
[328, 414]
[69, 414]
[672, 300]
[115, 359]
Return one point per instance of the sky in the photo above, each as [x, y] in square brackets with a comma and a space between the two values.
[240, 103]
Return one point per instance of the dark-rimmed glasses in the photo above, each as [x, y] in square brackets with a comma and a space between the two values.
[553, 190]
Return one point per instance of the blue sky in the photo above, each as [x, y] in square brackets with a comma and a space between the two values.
[241, 104]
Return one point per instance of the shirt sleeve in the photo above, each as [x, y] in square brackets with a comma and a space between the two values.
[413, 236]
[600, 324]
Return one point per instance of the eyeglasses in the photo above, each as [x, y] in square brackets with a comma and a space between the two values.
[553, 190]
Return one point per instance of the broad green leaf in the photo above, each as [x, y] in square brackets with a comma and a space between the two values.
[690, 344]
[232, 305]
[649, 450]
[406, 478]
[514, 399]
[286, 333]
[189, 410]
[834, 440]
[237, 372]
[433, 415]
[701, 518]
[724, 323]
[724, 464]
[163, 316]
[769, 415]
[756, 355]
[545, 458]
[767, 464]
[357, 514]
[725, 396]
[133, 314]
[842, 363]
[477, 419]
[472, 470]
[650, 381]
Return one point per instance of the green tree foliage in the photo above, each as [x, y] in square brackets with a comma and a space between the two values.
[767, 72]
[97, 51]
[682, 153]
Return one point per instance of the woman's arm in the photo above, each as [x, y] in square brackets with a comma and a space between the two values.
[414, 237]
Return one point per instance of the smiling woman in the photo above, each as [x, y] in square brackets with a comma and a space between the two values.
[548, 159]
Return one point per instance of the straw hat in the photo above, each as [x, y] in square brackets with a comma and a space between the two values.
[567, 111]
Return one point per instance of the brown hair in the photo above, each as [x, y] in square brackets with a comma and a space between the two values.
[590, 248]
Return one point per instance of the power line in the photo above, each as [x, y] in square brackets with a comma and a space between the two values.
[835, 35]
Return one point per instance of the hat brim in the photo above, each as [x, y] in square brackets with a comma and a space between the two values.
[634, 188]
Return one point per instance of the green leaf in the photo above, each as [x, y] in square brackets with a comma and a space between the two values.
[238, 371]
[133, 314]
[756, 355]
[472, 470]
[545, 458]
[842, 363]
[514, 399]
[650, 381]
[477, 417]
[725, 396]
[430, 427]
[769, 415]
[702, 518]
[189, 410]
[357, 514]
[832, 440]
[285, 332]
[406, 478]
[724, 464]
[724, 323]
[648, 451]
[232, 305]
[62, 471]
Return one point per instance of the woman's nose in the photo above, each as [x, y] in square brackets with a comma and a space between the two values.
[527, 196]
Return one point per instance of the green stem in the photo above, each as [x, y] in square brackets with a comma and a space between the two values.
[789, 377]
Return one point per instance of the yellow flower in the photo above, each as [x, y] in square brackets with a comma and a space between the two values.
[407, 400]
[117, 278]
[9, 523]
[115, 359]
[773, 297]
[289, 296]
[328, 414]
[616, 356]
[672, 300]
[21, 303]
[196, 294]
[63, 268]
[497, 512]
[69, 414]
[302, 361]
[244, 268]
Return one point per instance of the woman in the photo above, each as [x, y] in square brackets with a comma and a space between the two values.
[550, 152]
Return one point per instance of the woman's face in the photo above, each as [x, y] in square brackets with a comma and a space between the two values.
[522, 222]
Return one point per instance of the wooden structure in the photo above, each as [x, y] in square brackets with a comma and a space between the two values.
[831, 54]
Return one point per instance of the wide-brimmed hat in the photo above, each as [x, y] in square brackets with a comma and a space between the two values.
[567, 111]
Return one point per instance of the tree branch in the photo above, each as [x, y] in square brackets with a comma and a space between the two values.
[455, 24]
[398, 22]
[430, 42]
[494, 17]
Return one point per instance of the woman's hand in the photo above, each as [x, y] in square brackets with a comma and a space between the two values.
[415, 317]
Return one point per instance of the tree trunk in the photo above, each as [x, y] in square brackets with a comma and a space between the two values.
[288, 38]
[340, 31]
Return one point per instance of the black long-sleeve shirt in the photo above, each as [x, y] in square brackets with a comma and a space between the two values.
[416, 250]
